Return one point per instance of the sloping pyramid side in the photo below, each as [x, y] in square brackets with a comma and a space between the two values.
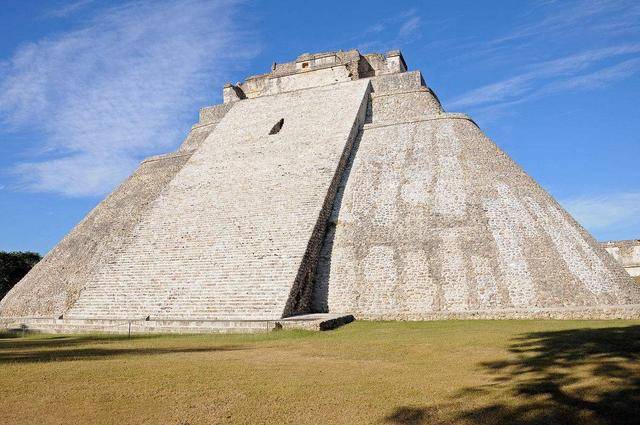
[237, 231]
[53, 286]
[433, 220]
[56, 282]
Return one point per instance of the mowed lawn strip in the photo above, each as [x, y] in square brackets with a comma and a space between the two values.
[472, 372]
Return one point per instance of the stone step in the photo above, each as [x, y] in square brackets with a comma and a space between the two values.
[173, 325]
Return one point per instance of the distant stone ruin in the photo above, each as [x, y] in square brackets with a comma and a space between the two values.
[334, 184]
[627, 253]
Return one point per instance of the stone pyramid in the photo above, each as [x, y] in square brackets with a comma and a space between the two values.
[335, 183]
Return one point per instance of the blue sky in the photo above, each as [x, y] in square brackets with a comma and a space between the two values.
[88, 88]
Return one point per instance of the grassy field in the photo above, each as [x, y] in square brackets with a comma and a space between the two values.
[469, 372]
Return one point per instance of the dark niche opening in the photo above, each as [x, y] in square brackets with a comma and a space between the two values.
[277, 127]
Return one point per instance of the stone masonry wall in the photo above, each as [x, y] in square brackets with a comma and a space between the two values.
[228, 237]
[55, 284]
[209, 118]
[301, 297]
[317, 188]
[57, 281]
[627, 253]
[433, 220]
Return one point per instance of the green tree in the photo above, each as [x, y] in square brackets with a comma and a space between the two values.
[13, 266]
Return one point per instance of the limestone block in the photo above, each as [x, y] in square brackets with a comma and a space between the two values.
[627, 253]
[213, 114]
[334, 183]
[403, 106]
[391, 83]
[433, 221]
[235, 231]
[57, 281]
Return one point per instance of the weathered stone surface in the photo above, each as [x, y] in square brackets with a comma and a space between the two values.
[234, 233]
[627, 253]
[366, 199]
[315, 70]
[209, 118]
[213, 114]
[56, 282]
[311, 322]
[433, 220]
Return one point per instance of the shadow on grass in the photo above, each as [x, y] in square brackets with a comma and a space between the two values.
[406, 415]
[578, 376]
[14, 340]
[84, 347]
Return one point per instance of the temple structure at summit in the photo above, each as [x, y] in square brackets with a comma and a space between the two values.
[334, 184]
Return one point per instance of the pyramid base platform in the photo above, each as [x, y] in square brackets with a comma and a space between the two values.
[312, 322]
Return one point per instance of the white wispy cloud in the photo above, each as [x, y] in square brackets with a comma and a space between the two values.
[410, 27]
[117, 89]
[610, 27]
[604, 213]
[577, 71]
[571, 18]
[389, 33]
[68, 8]
[599, 78]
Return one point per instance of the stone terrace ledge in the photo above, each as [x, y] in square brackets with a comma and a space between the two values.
[627, 253]
[314, 70]
[311, 322]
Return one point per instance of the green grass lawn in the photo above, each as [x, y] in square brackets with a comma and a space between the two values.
[471, 372]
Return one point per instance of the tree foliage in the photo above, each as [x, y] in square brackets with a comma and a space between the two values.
[13, 266]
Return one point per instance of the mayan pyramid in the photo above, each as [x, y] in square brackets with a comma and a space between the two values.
[334, 183]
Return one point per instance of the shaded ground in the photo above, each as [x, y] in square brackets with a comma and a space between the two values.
[576, 376]
[467, 372]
